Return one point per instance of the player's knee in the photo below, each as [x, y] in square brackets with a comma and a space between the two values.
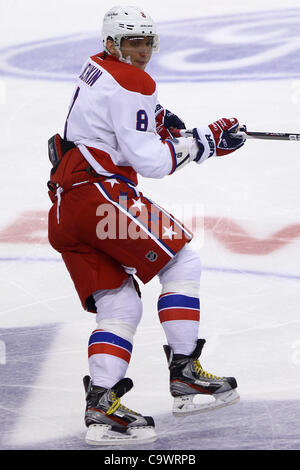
[122, 329]
[121, 305]
[186, 265]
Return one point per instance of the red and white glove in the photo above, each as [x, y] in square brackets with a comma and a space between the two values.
[215, 140]
[168, 125]
[204, 142]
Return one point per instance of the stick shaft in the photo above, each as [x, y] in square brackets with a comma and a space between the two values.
[242, 132]
[268, 135]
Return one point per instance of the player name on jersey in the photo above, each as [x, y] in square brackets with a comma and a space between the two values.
[90, 74]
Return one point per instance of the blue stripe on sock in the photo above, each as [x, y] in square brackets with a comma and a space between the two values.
[106, 337]
[177, 300]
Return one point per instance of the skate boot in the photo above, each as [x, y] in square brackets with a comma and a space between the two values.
[188, 380]
[111, 423]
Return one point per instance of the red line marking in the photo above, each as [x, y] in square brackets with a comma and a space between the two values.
[29, 228]
[235, 238]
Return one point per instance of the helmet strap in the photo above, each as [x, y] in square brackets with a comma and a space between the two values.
[117, 45]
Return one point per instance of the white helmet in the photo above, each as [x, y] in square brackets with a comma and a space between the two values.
[130, 21]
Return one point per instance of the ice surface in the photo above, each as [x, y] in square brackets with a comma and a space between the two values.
[250, 292]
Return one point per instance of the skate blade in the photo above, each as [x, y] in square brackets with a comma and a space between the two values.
[103, 435]
[184, 405]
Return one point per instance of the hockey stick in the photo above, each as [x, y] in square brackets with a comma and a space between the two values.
[242, 132]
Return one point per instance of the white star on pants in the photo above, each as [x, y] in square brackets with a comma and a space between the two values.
[138, 203]
[112, 181]
[168, 232]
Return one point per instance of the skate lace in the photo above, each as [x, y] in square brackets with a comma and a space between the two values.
[204, 373]
[117, 404]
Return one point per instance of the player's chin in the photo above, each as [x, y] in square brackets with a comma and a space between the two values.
[140, 64]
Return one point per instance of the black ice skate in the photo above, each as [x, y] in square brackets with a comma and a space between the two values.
[111, 423]
[188, 379]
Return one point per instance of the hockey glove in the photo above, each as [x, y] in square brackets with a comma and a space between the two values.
[167, 123]
[216, 140]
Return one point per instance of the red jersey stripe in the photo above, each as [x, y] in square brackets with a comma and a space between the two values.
[129, 77]
[108, 165]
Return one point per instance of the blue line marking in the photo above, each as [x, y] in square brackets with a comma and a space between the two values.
[243, 272]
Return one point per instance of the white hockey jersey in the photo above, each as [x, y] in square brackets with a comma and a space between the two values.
[112, 121]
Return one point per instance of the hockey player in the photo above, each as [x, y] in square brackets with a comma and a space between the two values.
[110, 234]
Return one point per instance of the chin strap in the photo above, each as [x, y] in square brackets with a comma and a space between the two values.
[127, 60]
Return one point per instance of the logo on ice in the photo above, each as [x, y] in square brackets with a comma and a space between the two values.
[256, 46]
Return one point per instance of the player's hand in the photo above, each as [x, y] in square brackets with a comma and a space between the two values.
[216, 139]
[222, 130]
[171, 121]
[167, 123]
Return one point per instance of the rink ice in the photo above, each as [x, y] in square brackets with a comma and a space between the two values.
[249, 302]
